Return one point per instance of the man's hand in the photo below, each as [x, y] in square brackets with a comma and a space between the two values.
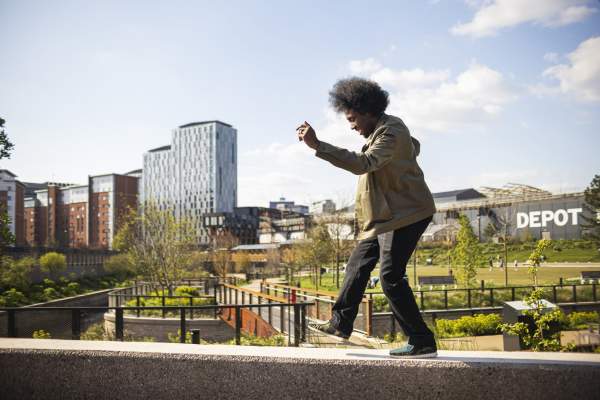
[307, 134]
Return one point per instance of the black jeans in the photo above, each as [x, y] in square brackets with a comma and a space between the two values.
[393, 249]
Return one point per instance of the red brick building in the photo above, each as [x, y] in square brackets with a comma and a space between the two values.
[80, 215]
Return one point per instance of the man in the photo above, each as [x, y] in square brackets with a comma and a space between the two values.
[393, 208]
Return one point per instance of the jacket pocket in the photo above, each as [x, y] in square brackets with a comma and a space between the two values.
[374, 209]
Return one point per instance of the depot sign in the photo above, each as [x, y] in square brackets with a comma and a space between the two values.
[539, 219]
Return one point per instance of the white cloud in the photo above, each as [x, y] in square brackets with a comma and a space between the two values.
[579, 77]
[428, 101]
[492, 16]
[551, 57]
[433, 101]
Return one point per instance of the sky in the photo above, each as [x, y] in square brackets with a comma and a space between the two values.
[496, 91]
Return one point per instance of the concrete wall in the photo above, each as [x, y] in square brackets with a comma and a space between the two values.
[210, 329]
[101, 370]
[57, 323]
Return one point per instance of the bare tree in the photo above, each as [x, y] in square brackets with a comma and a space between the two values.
[222, 243]
[159, 244]
[500, 227]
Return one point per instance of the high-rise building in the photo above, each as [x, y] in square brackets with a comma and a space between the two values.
[11, 201]
[196, 174]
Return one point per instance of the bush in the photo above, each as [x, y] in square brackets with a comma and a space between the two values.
[41, 334]
[53, 262]
[581, 320]
[51, 294]
[186, 291]
[380, 304]
[119, 265]
[13, 298]
[477, 325]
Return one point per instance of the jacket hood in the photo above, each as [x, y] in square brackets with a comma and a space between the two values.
[416, 145]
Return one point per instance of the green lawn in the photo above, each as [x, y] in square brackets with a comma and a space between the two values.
[546, 275]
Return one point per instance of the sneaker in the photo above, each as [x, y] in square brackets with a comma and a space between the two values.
[328, 328]
[410, 351]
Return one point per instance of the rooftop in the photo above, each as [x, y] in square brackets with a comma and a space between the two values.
[204, 123]
[162, 148]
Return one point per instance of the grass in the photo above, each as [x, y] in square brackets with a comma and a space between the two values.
[546, 276]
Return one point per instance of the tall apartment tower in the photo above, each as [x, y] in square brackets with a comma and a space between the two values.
[196, 174]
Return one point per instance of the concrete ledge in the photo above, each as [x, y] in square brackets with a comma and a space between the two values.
[67, 369]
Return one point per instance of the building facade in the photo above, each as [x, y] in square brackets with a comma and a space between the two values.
[526, 211]
[80, 216]
[322, 207]
[288, 205]
[195, 175]
[11, 201]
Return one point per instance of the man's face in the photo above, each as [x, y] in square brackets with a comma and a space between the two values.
[362, 123]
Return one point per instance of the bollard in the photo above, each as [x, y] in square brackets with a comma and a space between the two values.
[75, 324]
[238, 325]
[195, 336]
[182, 330]
[119, 324]
[12, 324]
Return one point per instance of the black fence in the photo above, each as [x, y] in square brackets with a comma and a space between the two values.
[436, 299]
[11, 319]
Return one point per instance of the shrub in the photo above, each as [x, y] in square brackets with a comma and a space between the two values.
[53, 262]
[51, 294]
[380, 304]
[71, 289]
[477, 325]
[581, 320]
[13, 298]
[119, 265]
[543, 336]
[41, 334]
[186, 291]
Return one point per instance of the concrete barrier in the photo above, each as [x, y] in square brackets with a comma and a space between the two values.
[57, 323]
[81, 369]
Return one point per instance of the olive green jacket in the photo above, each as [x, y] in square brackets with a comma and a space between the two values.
[391, 191]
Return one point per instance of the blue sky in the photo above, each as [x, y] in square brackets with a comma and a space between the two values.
[497, 91]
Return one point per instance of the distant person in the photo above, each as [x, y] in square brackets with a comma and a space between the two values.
[516, 265]
[374, 281]
[502, 263]
[393, 207]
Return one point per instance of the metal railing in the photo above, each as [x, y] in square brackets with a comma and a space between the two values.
[494, 296]
[297, 311]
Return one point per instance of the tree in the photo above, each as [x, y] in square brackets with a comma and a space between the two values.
[490, 231]
[120, 265]
[5, 144]
[592, 207]
[158, 244]
[535, 258]
[293, 258]
[243, 262]
[502, 231]
[16, 273]
[53, 262]
[467, 254]
[6, 236]
[339, 227]
[318, 251]
[222, 244]
[538, 337]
